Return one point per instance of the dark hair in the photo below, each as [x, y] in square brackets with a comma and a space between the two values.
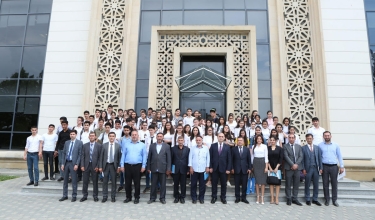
[246, 140]
[33, 127]
[111, 133]
[163, 107]
[286, 118]
[51, 125]
[238, 124]
[274, 117]
[315, 119]
[128, 120]
[91, 116]
[86, 122]
[86, 112]
[128, 127]
[82, 119]
[64, 122]
[107, 124]
[255, 140]
[213, 133]
[149, 127]
[97, 110]
[269, 111]
[227, 135]
[252, 118]
[192, 133]
[218, 126]
[327, 132]
[189, 109]
[170, 117]
[189, 132]
[175, 134]
[100, 119]
[309, 135]
[110, 106]
[117, 121]
[171, 130]
[105, 118]
[278, 124]
[198, 136]
[63, 118]
[73, 131]
[247, 123]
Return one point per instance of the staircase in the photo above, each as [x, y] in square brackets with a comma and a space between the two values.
[349, 191]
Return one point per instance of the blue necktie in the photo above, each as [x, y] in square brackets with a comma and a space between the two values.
[70, 152]
[91, 149]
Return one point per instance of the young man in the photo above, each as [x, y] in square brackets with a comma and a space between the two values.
[97, 116]
[79, 127]
[189, 120]
[100, 130]
[120, 116]
[196, 124]
[118, 130]
[104, 136]
[64, 136]
[92, 124]
[177, 117]
[33, 151]
[109, 111]
[49, 141]
[143, 132]
[149, 114]
[86, 115]
[180, 159]
[163, 112]
[213, 115]
[90, 166]
[123, 141]
[109, 164]
[148, 141]
[72, 156]
[85, 132]
[316, 131]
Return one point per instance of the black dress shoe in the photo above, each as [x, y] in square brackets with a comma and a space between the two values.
[237, 200]
[308, 203]
[201, 201]
[45, 178]
[83, 199]
[104, 200]
[245, 201]
[194, 201]
[73, 199]
[316, 203]
[52, 178]
[70, 180]
[326, 203]
[30, 183]
[182, 200]
[127, 200]
[295, 201]
[136, 200]
[224, 201]
[175, 200]
[335, 203]
[150, 201]
[120, 188]
[63, 198]
[213, 200]
[60, 179]
[96, 199]
[163, 201]
[289, 202]
[36, 184]
[113, 200]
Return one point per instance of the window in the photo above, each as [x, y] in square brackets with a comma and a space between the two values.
[23, 38]
[370, 18]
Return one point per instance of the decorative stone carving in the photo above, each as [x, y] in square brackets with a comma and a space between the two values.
[107, 83]
[240, 44]
[300, 75]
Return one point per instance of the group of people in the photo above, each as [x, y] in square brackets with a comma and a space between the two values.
[161, 145]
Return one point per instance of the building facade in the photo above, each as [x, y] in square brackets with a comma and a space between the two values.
[298, 58]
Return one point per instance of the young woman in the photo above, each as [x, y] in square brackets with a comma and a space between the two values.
[169, 117]
[187, 134]
[276, 135]
[220, 126]
[125, 115]
[196, 114]
[157, 120]
[270, 120]
[202, 125]
[194, 133]
[163, 122]
[134, 116]
[286, 124]
[292, 130]
[275, 160]
[229, 139]
[240, 126]
[113, 116]
[265, 131]
[260, 166]
[281, 135]
[253, 114]
[231, 123]
[257, 120]
[258, 132]
[142, 119]
[246, 140]
[251, 130]
[238, 119]
[246, 119]
[168, 133]
[111, 122]
[104, 116]
[209, 138]
[179, 132]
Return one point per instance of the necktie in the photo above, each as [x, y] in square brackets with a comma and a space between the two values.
[111, 154]
[152, 140]
[70, 151]
[91, 149]
[311, 149]
[220, 149]
[294, 153]
[241, 151]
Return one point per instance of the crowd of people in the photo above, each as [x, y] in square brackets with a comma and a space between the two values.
[162, 144]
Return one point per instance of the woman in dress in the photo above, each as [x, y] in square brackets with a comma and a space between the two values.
[275, 160]
[168, 133]
[260, 165]
[270, 119]
[179, 132]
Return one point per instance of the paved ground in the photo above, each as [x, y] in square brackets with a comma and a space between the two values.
[17, 205]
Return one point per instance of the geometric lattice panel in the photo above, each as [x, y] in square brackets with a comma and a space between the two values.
[301, 93]
[241, 75]
[109, 61]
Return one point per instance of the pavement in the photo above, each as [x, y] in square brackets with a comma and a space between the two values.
[17, 205]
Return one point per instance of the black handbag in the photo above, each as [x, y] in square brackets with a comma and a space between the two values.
[273, 180]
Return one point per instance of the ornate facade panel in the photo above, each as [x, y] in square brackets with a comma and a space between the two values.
[241, 75]
[300, 75]
[109, 61]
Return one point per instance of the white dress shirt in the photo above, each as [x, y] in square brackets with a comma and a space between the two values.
[317, 134]
[261, 151]
[189, 121]
[199, 158]
[148, 142]
[207, 140]
[85, 137]
[104, 138]
[32, 143]
[118, 133]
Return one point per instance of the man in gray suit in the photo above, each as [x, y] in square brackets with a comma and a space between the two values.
[159, 164]
[71, 155]
[293, 157]
[312, 162]
[90, 165]
[109, 163]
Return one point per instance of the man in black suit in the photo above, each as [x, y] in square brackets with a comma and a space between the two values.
[159, 165]
[220, 166]
[72, 156]
[180, 160]
[109, 163]
[90, 166]
[241, 168]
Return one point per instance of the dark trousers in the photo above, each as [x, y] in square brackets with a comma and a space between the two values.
[179, 179]
[69, 169]
[240, 178]
[313, 175]
[86, 180]
[158, 178]
[48, 157]
[133, 174]
[79, 172]
[292, 177]
[109, 171]
[223, 183]
[202, 186]
[57, 164]
[330, 174]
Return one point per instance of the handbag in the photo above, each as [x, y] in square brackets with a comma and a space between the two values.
[250, 184]
[273, 178]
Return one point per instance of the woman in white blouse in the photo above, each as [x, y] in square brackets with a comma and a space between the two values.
[210, 138]
[231, 123]
[265, 131]
[260, 164]
[292, 130]
[168, 133]
[177, 134]
[194, 133]
[238, 128]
